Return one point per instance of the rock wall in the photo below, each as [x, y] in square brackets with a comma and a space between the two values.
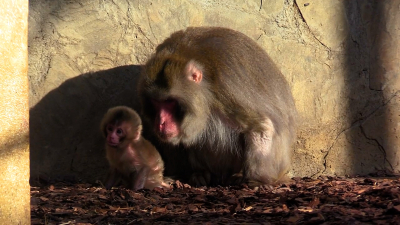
[341, 59]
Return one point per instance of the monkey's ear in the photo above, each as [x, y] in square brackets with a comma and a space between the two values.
[138, 132]
[194, 71]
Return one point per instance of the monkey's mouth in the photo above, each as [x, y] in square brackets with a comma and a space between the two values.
[166, 129]
[169, 138]
[165, 136]
[112, 144]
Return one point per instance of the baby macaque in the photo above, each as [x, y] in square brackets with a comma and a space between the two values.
[131, 157]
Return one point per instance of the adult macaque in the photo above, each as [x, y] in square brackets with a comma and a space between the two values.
[131, 157]
[217, 94]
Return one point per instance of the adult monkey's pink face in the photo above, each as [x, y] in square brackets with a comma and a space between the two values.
[172, 104]
[165, 123]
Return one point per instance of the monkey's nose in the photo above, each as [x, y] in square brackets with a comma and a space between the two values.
[161, 126]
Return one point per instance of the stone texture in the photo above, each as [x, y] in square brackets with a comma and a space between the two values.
[341, 59]
[326, 21]
[14, 114]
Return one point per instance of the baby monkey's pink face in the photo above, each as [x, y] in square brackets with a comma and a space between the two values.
[116, 134]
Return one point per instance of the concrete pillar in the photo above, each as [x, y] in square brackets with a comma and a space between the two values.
[14, 113]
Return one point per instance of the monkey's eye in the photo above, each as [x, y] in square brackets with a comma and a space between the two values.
[109, 128]
[155, 102]
[170, 101]
[120, 131]
[161, 102]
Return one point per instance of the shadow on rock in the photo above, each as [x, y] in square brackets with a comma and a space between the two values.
[65, 140]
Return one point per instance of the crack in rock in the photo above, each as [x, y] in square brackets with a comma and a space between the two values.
[358, 123]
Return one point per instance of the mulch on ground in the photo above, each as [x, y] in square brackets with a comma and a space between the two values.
[326, 200]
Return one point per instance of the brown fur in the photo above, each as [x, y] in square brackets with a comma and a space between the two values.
[235, 115]
[134, 159]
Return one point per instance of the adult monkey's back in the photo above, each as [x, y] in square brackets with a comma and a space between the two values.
[216, 93]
